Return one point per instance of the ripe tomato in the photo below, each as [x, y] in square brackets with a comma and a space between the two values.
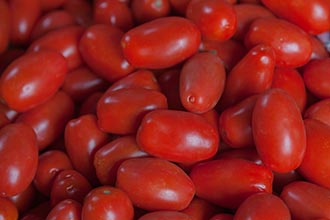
[147, 10]
[179, 38]
[165, 185]
[106, 202]
[8, 211]
[319, 111]
[32, 79]
[4, 26]
[202, 80]
[177, 136]
[66, 209]
[18, 158]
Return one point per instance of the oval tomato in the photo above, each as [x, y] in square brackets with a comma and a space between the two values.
[320, 111]
[66, 209]
[146, 10]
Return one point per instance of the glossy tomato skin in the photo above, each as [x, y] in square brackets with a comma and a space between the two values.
[180, 39]
[121, 111]
[291, 44]
[315, 166]
[63, 40]
[109, 157]
[216, 20]
[47, 120]
[320, 111]
[252, 75]
[202, 80]
[82, 139]
[278, 131]
[4, 26]
[316, 77]
[166, 186]
[177, 136]
[66, 209]
[146, 10]
[50, 163]
[8, 210]
[107, 201]
[32, 79]
[101, 43]
[18, 157]
[261, 206]
[164, 215]
[306, 200]
[313, 15]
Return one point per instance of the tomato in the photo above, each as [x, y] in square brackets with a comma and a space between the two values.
[63, 40]
[164, 215]
[121, 111]
[109, 157]
[315, 166]
[251, 75]
[222, 216]
[146, 10]
[292, 82]
[50, 163]
[212, 116]
[312, 15]
[18, 158]
[8, 211]
[200, 209]
[47, 5]
[179, 38]
[47, 120]
[81, 10]
[82, 139]
[101, 43]
[319, 50]
[7, 114]
[249, 154]
[228, 182]
[215, 19]
[261, 206]
[39, 212]
[113, 12]
[202, 80]
[4, 26]
[316, 77]
[51, 21]
[32, 79]
[106, 202]
[319, 111]
[66, 209]
[235, 123]
[291, 44]
[306, 200]
[69, 184]
[165, 185]
[177, 136]
[25, 200]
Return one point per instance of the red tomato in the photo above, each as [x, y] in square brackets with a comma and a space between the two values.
[7, 114]
[202, 80]
[228, 182]
[51, 21]
[50, 163]
[311, 15]
[316, 77]
[101, 43]
[319, 49]
[173, 39]
[39, 212]
[18, 158]
[121, 111]
[212, 117]
[306, 200]
[200, 209]
[106, 202]
[278, 131]
[4, 26]
[109, 157]
[32, 79]
[147, 10]
[292, 82]
[47, 5]
[8, 211]
[262, 206]
[319, 111]
[113, 12]
[315, 166]
[82, 139]
[66, 209]
[165, 185]
[291, 44]
[249, 154]
[165, 215]
[25, 200]
[47, 120]
[251, 75]
[215, 19]
[69, 184]
[177, 136]
[235, 125]
[81, 10]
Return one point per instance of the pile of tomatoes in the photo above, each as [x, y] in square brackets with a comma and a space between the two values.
[164, 109]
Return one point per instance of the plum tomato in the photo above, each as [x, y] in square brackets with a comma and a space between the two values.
[177, 136]
[320, 111]
[66, 209]
[179, 37]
